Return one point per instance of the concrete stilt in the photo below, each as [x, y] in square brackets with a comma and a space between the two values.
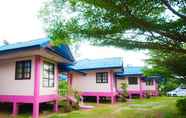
[15, 109]
[35, 113]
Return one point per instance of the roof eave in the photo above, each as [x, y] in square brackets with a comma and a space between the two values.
[52, 50]
[89, 69]
[19, 49]
[128, 75]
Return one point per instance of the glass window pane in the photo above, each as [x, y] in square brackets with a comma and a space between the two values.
[51, 76]
[18, 76]
[45, 82]
[51, 83]
[23, 69]
[133, 80]
[48, 74]
[102, 77]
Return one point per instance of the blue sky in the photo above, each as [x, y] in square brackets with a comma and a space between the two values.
[19, 22]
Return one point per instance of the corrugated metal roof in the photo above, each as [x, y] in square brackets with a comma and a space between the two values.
[62, 50]
[131, 70]
[91, 64]
[38, 42]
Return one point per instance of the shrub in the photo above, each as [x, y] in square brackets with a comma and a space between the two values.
[76, 106]
[63, 87]
[148, 94]
[124, 94]
[77, 96]
[66, 106]
[181, 105]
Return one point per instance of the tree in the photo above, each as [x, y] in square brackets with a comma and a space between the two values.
[131, 24]
[171, 66]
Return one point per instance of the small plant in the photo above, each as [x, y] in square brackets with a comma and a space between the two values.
[148, 94]
[78, 98]
[63, 87]
[66, 106]
[70, 91]
[77, 95]
[124, 94]
[181, 105]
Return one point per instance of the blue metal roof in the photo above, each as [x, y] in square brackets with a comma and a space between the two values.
[38, 42]
[62, 50]
[136, 71]
[131, 70]
[156, 77]
[88, 64]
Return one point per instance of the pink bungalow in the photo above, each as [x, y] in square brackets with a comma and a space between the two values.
[29, 73]
[96, 77]
[103, 78]
[137, 84]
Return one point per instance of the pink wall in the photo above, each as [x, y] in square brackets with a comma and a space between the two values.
[8, 84]
[87, 83]
[141, 85]
[146, 87]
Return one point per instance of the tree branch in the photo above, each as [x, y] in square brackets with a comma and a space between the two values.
[130, 44]
[166, 3]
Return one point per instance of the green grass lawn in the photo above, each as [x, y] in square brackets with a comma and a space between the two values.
[157, 107]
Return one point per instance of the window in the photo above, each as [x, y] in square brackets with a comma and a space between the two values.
[102, 77]
[23, 70]
[133, 80]
[48, 74]
[149, 82]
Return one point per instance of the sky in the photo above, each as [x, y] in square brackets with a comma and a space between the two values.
[19, 22]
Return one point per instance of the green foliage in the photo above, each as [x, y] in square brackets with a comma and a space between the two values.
[63, 87]
[171, 66]
[77, 96]
[169, 85]
[181, 105]
[75, 105]
[63, 84]
[168, 64]
[124, 94]
[131, 24]
[66, 106]
[168, 82]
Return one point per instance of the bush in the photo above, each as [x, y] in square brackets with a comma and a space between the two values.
[66, 106]
[76, 106]
[168, 86]
[77, 96]
[124, 94]
[63, 87]
[181, 105]
[148, 94]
